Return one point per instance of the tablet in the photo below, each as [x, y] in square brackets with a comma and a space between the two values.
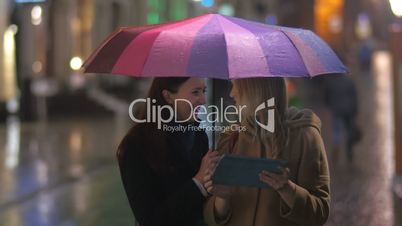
[236, 170]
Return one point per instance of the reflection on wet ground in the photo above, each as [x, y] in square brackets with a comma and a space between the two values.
[361, 190]
[61, 173]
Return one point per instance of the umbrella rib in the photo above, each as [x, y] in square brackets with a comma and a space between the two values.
[298, 51]
[227, 54]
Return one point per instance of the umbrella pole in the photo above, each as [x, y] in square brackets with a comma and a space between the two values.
[213, 121]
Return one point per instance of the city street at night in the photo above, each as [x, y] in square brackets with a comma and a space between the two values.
[72, 73]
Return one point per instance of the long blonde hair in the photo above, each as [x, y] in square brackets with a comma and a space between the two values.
[254, 91]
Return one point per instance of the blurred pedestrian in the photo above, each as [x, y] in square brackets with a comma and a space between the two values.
[342, 100]
[163, 172]
[300, 194]
[365, 54]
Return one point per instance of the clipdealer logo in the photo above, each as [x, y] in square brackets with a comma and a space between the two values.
[271, 115]
[211, 113]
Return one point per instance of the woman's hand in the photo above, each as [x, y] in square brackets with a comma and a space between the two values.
[281, 183]
[221, 191]
[276, 181]
[208, 163]
[222, 200]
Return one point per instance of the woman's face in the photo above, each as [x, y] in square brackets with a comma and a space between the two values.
[234, 93]
[192, 90]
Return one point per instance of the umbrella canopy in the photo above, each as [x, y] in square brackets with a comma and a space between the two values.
[214, 46]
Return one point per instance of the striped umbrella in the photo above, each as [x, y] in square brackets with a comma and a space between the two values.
[214, 46]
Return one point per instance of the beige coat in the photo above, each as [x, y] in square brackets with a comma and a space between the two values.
[307, 159]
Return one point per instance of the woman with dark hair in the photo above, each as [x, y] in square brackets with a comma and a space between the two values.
[300, 194]
[163, 171]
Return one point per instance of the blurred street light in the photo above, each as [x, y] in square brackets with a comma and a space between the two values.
[9, 37]
[36, 15]
[396, 6]
[335, 23]
[8, 87]
[37, 67]
[363, 26]
[226, 9]
[76, 63]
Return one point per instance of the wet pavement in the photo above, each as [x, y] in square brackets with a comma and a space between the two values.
[64, 172]
[61, 173]
[361, 189]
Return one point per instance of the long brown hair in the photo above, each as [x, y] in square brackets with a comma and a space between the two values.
[253, 92]
[151, 139]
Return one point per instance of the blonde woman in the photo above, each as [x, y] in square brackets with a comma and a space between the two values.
[298, 196]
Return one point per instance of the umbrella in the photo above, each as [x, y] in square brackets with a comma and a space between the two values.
[214, 46]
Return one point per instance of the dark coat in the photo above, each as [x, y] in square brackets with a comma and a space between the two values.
[341, 96]
[170, 198]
